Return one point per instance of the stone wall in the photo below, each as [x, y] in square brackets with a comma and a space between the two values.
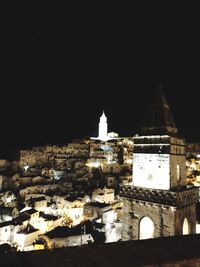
[174, 160]
[189, 213]
[179, 199]
[133, 211]
[168, 221]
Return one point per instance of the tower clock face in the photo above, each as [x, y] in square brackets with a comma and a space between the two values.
[151, 171]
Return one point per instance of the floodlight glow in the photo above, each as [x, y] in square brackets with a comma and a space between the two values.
[93, 164]
[26, 168]
[151, 171]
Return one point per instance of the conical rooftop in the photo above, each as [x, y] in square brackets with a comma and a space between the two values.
[103, 114]
[159, 119]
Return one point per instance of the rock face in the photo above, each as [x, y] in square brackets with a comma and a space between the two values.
[158, 203]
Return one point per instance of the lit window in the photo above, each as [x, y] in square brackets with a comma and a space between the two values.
[146, 228]
[185, 227]
[178, 172]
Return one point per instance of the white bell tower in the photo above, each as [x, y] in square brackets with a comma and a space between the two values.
[103, 128]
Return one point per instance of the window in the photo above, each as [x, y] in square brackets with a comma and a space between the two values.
[146, 228]
[178, 172]
[185, 227]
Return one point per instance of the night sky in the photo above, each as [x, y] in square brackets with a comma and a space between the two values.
[61, 66]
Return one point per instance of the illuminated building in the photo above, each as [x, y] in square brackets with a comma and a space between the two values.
[103, 134]
[193, 163]
[158, 203]
[68, 237]
[104, 195]
[103, 128]
[193, 149]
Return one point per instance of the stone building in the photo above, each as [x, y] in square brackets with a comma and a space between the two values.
[103, 128]
[158, 202]
[32, 158]
[192, 149]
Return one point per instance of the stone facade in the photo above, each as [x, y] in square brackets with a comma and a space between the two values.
[177, 199]
[134, 211]
[168, 152]
[158, 202]
[168, 221]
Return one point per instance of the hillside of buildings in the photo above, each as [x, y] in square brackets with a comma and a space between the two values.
[54, 196]
[76, 186]
[93, 191]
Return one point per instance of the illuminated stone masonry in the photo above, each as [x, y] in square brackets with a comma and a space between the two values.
[165, 220]
[166, 209]
[158, 202]
[167, 198]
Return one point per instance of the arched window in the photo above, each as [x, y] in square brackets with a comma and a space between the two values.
[178, 172]
[146, 228]
[185, 227]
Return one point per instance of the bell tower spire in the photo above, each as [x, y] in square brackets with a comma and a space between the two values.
[103, 127]
[158, 203]
[159, 119]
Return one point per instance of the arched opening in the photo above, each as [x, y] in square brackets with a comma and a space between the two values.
[185, 227]
[146, 228]
[178, 172]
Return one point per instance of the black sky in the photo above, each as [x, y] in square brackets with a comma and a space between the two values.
[62, 65]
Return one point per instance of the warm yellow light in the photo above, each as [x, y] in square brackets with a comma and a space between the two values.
[93, 164]
[26, 168]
